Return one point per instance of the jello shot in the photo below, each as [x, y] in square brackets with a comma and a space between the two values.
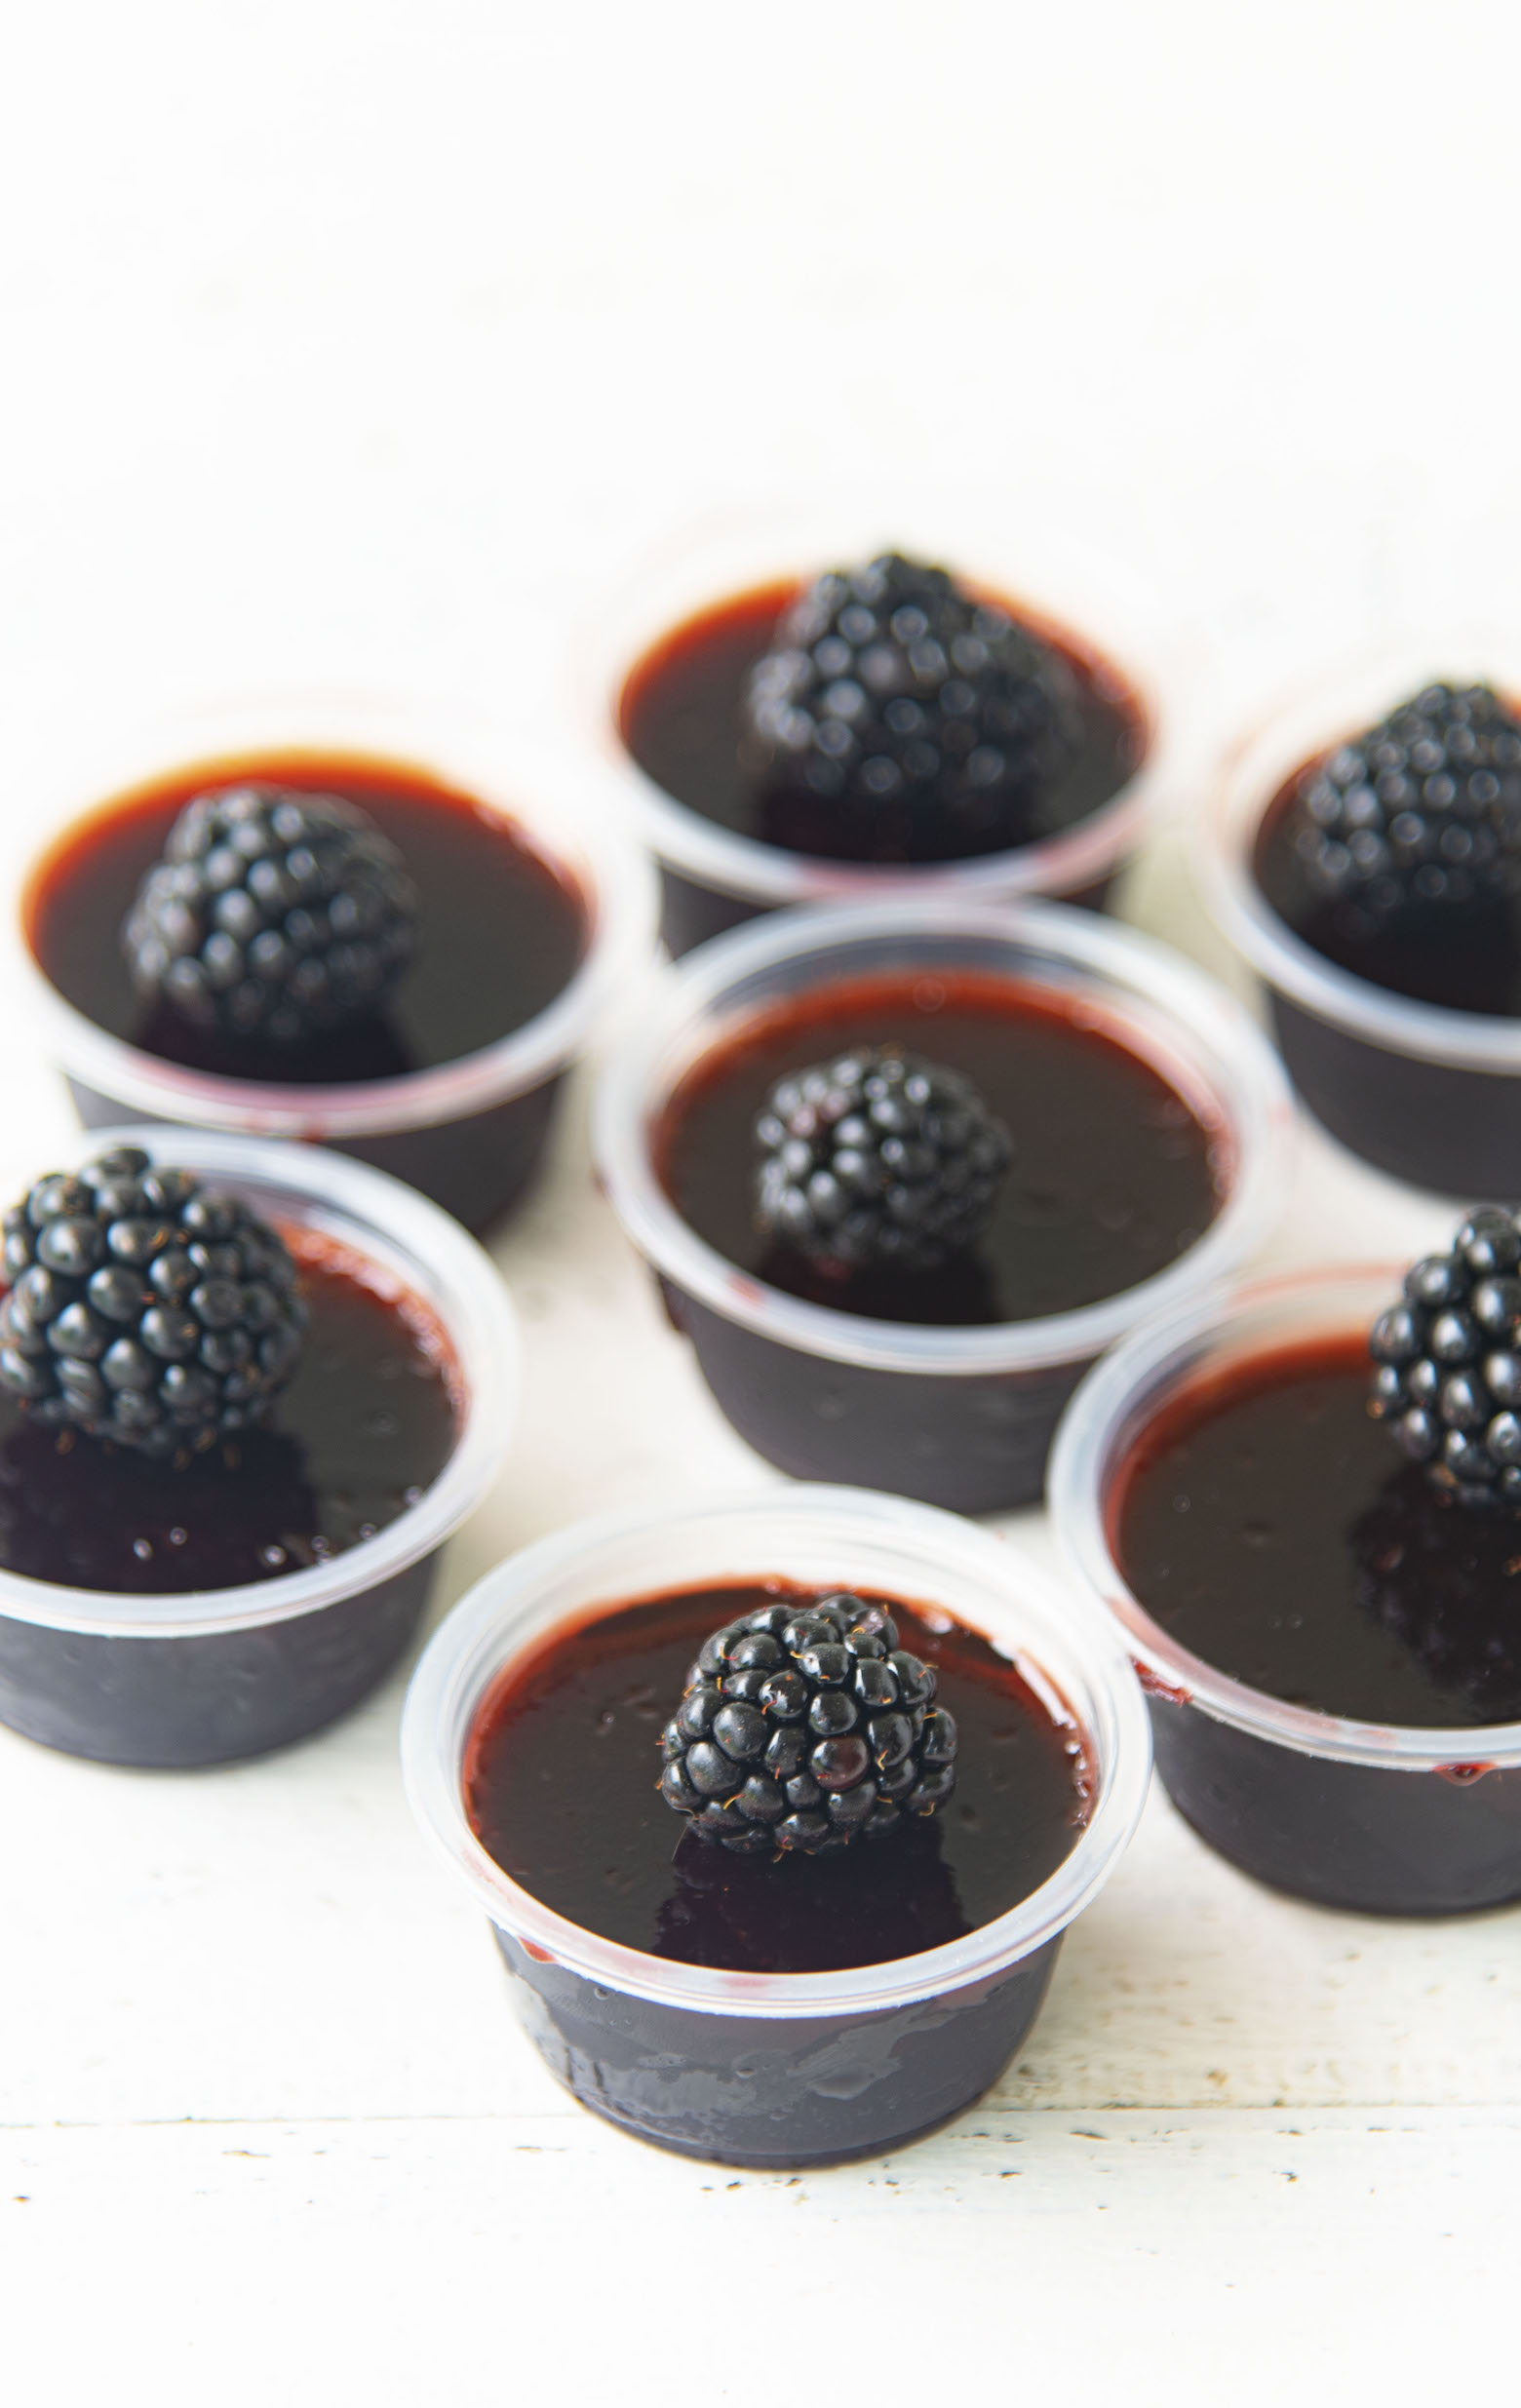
[1295, 1498]
[904, 1171]
[778, 1811]
[1364, 853]
[350, 926]
[247, 1391]
[856, 699]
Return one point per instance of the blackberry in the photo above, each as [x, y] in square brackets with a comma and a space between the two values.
[899, 719]
[144, 1308]
[804, 1727]
[878, 1159]
[1422, 812]
[272, 914]
[1447, 1358]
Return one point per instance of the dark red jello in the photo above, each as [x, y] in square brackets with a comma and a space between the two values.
[1115, 1173]
[1466, 960]
[503, 931]
[1268, 1526]
[367, 1423]
[680, 716]
[562, 1777]
[679, 719]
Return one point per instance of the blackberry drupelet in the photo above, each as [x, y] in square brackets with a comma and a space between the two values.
[805, 1728]
[145, 1308]
[1420, 813]
[272, 914]
[878, 1159]
[897, 717]
[1447, 1358]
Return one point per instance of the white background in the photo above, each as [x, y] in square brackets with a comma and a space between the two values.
[365, 341]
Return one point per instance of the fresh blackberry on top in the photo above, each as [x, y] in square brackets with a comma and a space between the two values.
[899, 717]
[878, 1159]
[1447, 1364]
[145, 1308]
[803, 1728]
[1422, 813]
[272, 914]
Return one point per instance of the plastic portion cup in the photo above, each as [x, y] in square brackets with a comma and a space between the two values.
[960, 1416]
[1433, 1095]
[468, 1133]
[778, 2069]
[214, 1674]
[1383, 1818]
[714, 878]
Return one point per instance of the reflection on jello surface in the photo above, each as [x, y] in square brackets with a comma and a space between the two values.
[682, 717]
[1265, 1523]
[1113, 1173]
[500, 931]
[561, 1788]
[367, 1423]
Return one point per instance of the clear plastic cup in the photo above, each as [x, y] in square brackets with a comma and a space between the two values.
[213, 1674]
[1105, 616]
[469, 1132]
[1427, 1093]
[788, 2069]
[960, 1416]
[1383, 1818]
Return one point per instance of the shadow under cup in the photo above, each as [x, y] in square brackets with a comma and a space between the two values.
[778, 2070]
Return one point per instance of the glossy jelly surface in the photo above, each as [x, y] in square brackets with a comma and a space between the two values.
[1115, 1174]
[1271, 1527]
[501, 933]
[561, 1787]
[367, 1423]
[681, 718]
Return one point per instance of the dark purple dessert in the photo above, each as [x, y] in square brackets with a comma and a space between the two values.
[193, 1400]
[1266, 1525]
[563, 1789]
[1395, 858]
[1397, 854]
[366, 1422]
[1110, 1172]
[459, 932]
[1331, 1524]
[706, 715]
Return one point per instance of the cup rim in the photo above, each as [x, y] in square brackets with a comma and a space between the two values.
[1305, 720]
[529, 785]
[1179, 1021]
[403, 1232]
[1068, 581]
[942, 1556]
[1107, 1410]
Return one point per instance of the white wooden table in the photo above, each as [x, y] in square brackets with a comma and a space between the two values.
[356, 339]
